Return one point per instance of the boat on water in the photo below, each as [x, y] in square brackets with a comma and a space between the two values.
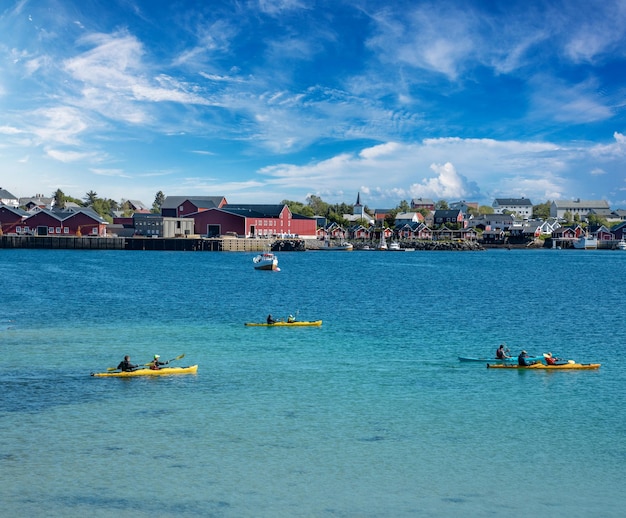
[586, 243]
[570, 365]
[282, 323]
[511, 360]
[621, 245]
[394, 246]
[266, 261]
[382, 245]
[164, 371]
[342, 247]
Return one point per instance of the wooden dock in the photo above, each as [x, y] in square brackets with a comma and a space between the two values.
[191, 244]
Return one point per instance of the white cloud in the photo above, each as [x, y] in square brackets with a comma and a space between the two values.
[69, 156]
[447, 184]
[117, 173]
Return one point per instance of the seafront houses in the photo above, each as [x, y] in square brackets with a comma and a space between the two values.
[568, 233]
[601, 233]
[45, 222]
[521, 207]
[11, 219]
[252, 220]
[578, 207]
[619, 231]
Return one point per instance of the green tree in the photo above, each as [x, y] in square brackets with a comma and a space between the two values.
[318, 206]
[485, 209]
[595, 220]
[442, 205]
[471, 211]
[90, 197]
[567, 216]
[126, 208]
[59, 198]
[404, 206]
[159, 199]
[542, 210]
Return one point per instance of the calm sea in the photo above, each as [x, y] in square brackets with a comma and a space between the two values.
[371, 415]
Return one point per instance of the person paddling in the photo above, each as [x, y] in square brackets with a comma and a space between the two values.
[501, 353]
[155, 365]
[126, 366]
[270, 319]
[523, 361]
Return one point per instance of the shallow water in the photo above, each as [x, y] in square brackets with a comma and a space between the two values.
[370, 415]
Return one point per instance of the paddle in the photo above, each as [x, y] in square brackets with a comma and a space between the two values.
[111, 369]
[180, 357]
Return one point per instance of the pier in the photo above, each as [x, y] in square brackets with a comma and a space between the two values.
[190, 243]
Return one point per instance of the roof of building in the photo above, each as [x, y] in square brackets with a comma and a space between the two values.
[578, 204]
[512, 201]
[422, 201]
[62, 215]
[205, 202]
[6, 195]
[254, 210]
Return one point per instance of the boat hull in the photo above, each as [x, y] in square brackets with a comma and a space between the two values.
[542, 366]
[286, 324]
[496, 360]
[266, 261]
[269, 265]
[165, 371]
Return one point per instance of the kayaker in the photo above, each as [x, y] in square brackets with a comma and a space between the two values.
[501, 353]
[126, 366]
[270, 320]
[155, 365]
[522, 359]
[291, 319]
[550, 360]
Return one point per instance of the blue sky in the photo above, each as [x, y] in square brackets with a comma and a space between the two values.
[265, 100]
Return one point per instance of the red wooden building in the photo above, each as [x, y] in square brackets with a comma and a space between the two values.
[83, 222]
[250, 220]
[11, 219]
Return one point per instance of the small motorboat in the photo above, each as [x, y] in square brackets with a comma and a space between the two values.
[266, 261]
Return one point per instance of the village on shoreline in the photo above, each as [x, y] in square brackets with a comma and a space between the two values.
[212, 223]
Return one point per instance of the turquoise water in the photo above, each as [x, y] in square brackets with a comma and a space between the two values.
[371, 415]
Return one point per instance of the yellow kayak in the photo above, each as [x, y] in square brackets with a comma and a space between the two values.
[164, 371]
[297, 323]
[564, 366]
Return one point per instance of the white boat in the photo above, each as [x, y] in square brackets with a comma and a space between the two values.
[621, 245]
[586, 243]
[343, 246]
[394, 246]
[383, 243]
[266, 261]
